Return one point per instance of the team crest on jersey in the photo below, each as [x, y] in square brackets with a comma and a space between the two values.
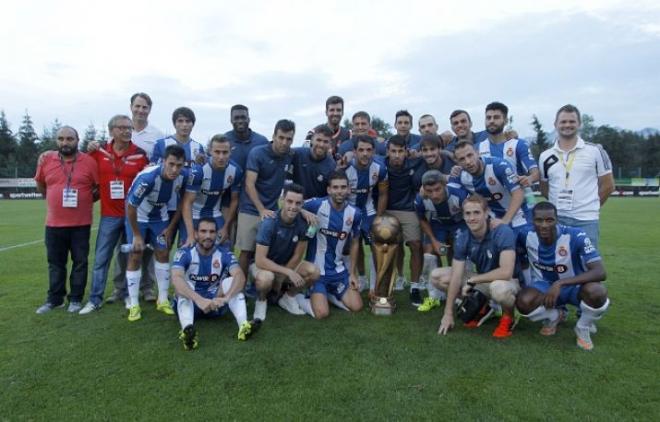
[178, 255]
[374, 176]
[320, 178]
[411, 172]
[509, 152]
[562, 251]
[230, 179]
[454, 209]
[295, 238]
[349, 221]
[489, 254]
[216, 263]
[491, 181]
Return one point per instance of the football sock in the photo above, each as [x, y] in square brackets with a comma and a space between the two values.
[589, 314]
[162, 279]
[541, 314]
[238, 308]
[133, 286]
[305, 304]
[338, 303]
[185, 308]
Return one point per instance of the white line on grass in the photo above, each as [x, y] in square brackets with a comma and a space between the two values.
[34, 242]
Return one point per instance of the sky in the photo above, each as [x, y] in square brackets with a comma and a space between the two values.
[80, 61]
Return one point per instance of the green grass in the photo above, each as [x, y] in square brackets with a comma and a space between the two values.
[351, 367]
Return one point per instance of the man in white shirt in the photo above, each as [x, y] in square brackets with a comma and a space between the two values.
[576, 176]
[144, 134]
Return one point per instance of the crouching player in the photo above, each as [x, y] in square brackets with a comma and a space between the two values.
[566, 268]
[338, 223]
[493, 251]
[197, 276]
[279, 266]
[440, 217]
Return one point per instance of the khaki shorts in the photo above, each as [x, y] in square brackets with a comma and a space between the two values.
[501, 291]
[246, 231]
[409, 225]
[279, 278]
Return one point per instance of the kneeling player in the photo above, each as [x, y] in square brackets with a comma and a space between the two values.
[493, 251]
[281, 244]
[566, 268]
[440, 217]
[339, 223]
[197, 273]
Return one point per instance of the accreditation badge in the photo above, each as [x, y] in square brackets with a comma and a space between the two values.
[565, 200]
[70, 198]
[117, 189]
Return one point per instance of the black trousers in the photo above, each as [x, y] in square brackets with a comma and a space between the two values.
[60, 242]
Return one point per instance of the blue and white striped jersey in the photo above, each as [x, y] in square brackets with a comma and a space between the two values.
[336, 228]
[445, 213]
[495, 184]
[515, 151]
[150, 193]
[209, 186]
[567, 257]
[363, 183]
[191, 148]
[207, 270]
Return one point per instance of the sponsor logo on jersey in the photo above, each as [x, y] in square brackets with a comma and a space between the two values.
[212, 278]
[320, 178]
[332, 233]
[496, 196]
[559, 268]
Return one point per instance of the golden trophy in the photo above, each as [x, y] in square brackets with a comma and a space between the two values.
[385, 238]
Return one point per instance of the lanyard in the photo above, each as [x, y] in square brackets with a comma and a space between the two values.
[69, 175]
[568, 164]
[112, 156]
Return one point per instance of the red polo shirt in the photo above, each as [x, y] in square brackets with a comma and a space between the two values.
[114, 168]
[54, 173]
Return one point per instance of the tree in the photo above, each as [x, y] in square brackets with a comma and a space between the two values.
[588, 130]
[90, 135]
[347, 124]
[28, 151]
[382, 128]
[541, 143]
[47, 141]
[8, 148]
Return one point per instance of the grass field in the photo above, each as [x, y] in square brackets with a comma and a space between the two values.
[350, 367]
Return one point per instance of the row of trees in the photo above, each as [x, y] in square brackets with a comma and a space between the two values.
[19, 151]
[632, 154]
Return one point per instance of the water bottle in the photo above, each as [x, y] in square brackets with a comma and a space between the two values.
[128, 247]
[311, 231]
[530, 198]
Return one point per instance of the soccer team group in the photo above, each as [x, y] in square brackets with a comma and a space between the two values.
[300, 219]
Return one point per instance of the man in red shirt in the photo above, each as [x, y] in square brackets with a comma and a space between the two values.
[119, 161]
[69, 180]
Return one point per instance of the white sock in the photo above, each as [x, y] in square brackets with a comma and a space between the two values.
[338, 303]
[133, 286]
[430, 264]
[305, 304]
[236, 304]
[435, 293]
[372, 274]
[185, 308]
[543, 314]
[589, 314]
[162, 279]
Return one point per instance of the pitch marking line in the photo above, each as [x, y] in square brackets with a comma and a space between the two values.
[34, 242]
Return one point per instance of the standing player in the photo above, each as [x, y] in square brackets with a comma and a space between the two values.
[200, 275]
[183, 119]
[338, 224]
[148, 223]
[566, 268]
[367, 180]
[493, 252]
[207, 185]
[361, 127]
[403, 125]
[334, 111]
[313, 165]
[279, 268]
[440, 217]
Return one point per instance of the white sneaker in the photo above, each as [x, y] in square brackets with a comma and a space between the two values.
[363, 283]
[290, 305]
[260, 307]
[400, 283]
[89, 308]
[74, 307]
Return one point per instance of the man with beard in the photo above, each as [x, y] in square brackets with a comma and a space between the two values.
[205, 189]
[279, 269]
[431, 152]
[313, 165]
[148, 223]
[69, 180]
[334, 111]
[242, 138]
[515, 151]
[208, 282]
[566, 268]
[267, 168]
[338, 224]
[361, 127]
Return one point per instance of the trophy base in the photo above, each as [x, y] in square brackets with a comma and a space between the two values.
[383, 306]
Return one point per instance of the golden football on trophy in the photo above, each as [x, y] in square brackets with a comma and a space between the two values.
[385, 238]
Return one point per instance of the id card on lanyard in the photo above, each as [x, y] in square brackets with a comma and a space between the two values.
[565, 195]
[117, 185]
[69, 194]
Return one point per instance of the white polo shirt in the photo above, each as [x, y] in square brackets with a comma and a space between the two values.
[146, 138]
[573, 178]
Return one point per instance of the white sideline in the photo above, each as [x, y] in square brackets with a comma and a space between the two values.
[34, 242]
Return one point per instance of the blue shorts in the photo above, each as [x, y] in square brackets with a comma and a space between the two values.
[568, 294]
[150, 233]
[207, 292]
[365, 228]
[444, 232]
[336, 285]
